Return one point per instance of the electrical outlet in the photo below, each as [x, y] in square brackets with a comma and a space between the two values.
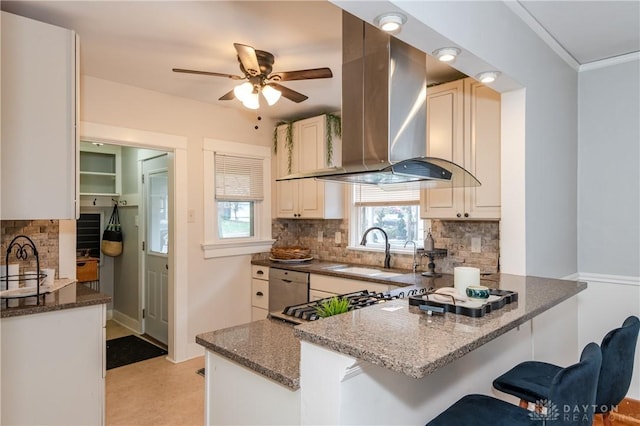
[338, 237]
[476, 245]
[320, 236]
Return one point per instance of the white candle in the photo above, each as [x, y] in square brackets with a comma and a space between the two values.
[464, 276]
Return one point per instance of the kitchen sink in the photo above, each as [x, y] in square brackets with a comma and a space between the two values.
[369, 272]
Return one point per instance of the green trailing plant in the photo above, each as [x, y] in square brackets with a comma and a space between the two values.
[289, 145]
[334, 128]
[334, 306]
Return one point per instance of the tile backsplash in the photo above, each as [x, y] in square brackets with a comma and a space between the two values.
[45, 236]
[455, 236]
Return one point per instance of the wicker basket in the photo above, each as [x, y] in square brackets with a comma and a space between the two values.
[290, 253]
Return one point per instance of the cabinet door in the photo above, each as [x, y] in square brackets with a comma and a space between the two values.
[39, 145]
[482, 146]
[444, 140]
[311, 156]
[286, 191]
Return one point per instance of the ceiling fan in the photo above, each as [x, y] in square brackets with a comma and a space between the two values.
[256, 65]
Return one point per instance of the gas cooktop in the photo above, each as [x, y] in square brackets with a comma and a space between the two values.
[298, 314]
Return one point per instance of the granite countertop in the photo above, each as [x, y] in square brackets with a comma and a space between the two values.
[404, 340]
[406, 278]
[267, 347]
[408, 341]
[72, 296]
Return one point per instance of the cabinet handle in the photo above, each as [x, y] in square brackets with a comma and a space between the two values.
[458, 215]
[466, 215]
[260, 272]
[259, 293]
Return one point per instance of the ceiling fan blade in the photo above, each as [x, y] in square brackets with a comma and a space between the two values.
[302, 74]
[289, 94]
[215, 74]
[227, 96]
[248, 58]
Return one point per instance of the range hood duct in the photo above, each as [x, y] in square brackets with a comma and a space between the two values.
[384, 91]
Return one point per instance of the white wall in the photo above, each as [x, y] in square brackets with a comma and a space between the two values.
[609, 201]
[219, 289]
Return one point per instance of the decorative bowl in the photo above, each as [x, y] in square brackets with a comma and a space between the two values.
[478, 292]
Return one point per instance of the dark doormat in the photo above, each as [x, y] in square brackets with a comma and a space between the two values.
[129, 349]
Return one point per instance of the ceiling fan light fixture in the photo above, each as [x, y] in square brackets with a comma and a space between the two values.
[243, 91]
[446, 54]
[271, 95]
[488, 76]
[391, 22]
[251, 101]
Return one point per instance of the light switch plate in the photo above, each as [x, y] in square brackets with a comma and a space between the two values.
[320, 236]
[476, 245]
[338, 237]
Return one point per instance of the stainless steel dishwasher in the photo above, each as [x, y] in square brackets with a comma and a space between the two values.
[287, 288]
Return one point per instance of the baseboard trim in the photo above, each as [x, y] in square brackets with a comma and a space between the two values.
[126, 321]
[613, 279]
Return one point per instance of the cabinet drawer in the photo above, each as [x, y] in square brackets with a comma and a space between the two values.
[260, 293]
[260, 272]
[258, 314]
[87, 270]
[343, 285]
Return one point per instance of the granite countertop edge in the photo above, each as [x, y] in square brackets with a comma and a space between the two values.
[290, 382]
[84, 297]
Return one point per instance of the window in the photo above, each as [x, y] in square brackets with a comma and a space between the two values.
[237, 200]
[397, 212]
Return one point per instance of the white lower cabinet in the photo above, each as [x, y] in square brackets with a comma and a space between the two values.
[53, 367]
[335, 285]
[317, 295]
[259, 292]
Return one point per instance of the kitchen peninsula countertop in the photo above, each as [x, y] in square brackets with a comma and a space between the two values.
[393, 335]
[72, 296]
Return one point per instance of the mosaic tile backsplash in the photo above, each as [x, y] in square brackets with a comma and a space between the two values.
[45, 236]
[455, 236]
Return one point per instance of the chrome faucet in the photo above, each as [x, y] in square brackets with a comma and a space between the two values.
[387, 246]
[415, 249]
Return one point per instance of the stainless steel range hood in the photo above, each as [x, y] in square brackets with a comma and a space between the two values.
[384, 92]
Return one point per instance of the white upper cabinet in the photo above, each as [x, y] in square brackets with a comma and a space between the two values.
[307, 198]
[39, 117]
[463, 126]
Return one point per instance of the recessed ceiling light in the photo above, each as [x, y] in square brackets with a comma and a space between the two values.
[488, 76]
[391, 22]
[446, 54]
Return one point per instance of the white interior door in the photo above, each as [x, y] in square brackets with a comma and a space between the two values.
[155, 187]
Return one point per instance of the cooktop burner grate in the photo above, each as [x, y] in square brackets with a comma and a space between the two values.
[357, 300]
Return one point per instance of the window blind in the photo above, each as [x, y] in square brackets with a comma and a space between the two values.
[371, 195]
[238, 178]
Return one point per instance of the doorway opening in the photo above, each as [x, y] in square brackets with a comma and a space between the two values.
[153, 144]
[138, 279]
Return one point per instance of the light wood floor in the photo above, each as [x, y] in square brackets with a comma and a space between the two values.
[155, 391]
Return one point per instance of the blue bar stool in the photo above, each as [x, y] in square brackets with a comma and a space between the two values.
[530, 381]
[569, 401]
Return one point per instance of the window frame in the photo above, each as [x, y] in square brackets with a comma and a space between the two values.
[355, 236]
[214, 246]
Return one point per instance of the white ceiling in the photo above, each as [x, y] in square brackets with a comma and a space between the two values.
[139, 42]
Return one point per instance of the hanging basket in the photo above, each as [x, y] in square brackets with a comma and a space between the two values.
[112, 235]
